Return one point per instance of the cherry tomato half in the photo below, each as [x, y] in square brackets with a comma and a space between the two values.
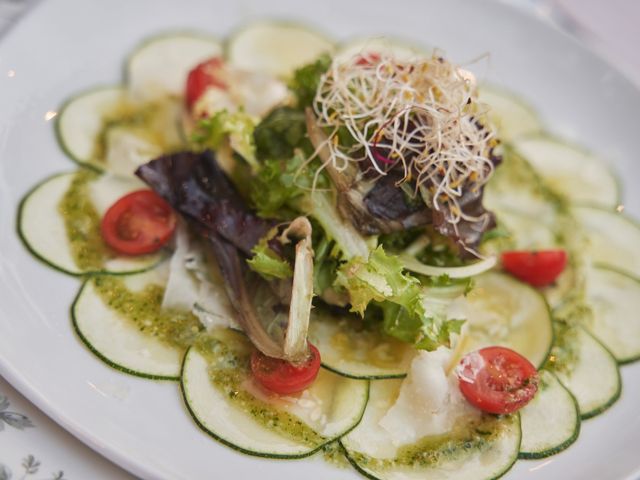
[497, 380]
[138, 223]
[203, 76]
[537, 268]
[282, 377]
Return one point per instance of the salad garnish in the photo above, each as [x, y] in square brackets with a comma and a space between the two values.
[417, 124]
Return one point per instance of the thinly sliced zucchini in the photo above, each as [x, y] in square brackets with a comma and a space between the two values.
[160, 65]
[350, 349]
[511, 115]
[523, 233]
[45, 230]
[503, 311]
[613, 238]
[614, 298]
[400, 49]
[575, 173]
[104, 130]
[551, 421]
[483, 448]
[516, 187]
[216, 379]
[82, 118]
[275, 48]
[586, 368]
[114, 336]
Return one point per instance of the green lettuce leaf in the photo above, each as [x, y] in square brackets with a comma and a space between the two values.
[378, 278]
[410, 312]
[237, 127]
[267, 263]
[306, 79]
[280, 133]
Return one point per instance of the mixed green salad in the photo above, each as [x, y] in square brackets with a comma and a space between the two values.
[348, 249]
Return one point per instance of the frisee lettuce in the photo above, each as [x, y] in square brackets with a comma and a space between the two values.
[267, 263]
[306, 79]
[280, 133]
[236, 127]
[411, 312]
[377, 278]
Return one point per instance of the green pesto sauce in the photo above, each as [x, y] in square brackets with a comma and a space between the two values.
[563, 356]
[149, 121]
[228, 354]
[144, 308]
[477, 436]
[82, 223]
[335, 455]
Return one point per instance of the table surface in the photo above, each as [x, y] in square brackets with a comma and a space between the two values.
[33, 446]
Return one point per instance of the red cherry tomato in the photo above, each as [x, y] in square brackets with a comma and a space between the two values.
[497, 380]
[282, 377]
[535, 268]
[205, 75]
[138, 223]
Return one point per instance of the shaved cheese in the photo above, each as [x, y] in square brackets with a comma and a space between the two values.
[195, 284]
[429, 403]
[181, 291]
[255, 93]
[126, 151]
[258, 93]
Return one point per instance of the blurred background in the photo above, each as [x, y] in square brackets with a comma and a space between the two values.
[608, 26]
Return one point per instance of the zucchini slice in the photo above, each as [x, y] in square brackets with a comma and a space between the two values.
[613, 238]
[81, 120]
[484, 449]
[216, 378]
[46, 231]
[516, 187]
[104, 129]
[348, 348]
[108, 314]
[275, 48]
[614, 298]
[571, 171]
[503, 311]
[511, 115]
[526, 232]
[551, 421]
[400, 49]
[587, 369]
[159, 66]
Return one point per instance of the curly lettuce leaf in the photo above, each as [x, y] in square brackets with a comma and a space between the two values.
[268, 264]
[424, 328]
[378, 278]
[280, 133]
[306, 79]
[411, 313]
[236, 127]
[277, 187]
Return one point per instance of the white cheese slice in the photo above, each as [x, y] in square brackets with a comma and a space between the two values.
[126, 151]
[256, 93]
[429, 403]
[195, 284]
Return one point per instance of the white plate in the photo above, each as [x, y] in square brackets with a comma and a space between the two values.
[68, 45]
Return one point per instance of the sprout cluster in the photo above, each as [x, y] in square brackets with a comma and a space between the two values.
[419, 117]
